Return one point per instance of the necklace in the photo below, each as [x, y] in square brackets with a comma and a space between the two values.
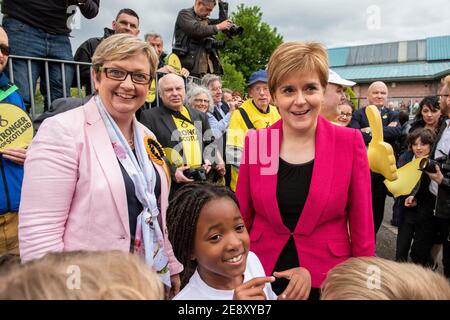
[131, 141]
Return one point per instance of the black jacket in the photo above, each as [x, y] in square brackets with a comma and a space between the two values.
[84, 53]
[391, 134]
[159, 120]
[51, 16]
[190, 35]
[442, 207]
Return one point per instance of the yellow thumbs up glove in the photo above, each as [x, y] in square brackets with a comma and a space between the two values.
[380, 154]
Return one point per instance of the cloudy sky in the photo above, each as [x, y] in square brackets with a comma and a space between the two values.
[335, 23]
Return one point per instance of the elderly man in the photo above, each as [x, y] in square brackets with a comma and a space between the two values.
[127, 21]
[334, 96]
[156, 41]
[178, 127]
[377, 94]
[194, 37]
[11, 165]
[255, 113]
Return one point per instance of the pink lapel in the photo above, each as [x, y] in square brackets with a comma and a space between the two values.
[322, 177]
[98, 135]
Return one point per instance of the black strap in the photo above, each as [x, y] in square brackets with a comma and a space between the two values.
[179, 115]
[247, 121]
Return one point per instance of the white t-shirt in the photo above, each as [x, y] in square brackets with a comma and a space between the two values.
[197, 289]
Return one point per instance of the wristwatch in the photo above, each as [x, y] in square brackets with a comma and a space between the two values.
[368, 130]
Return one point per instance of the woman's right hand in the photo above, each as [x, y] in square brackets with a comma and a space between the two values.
[253, 289]
[410, 202]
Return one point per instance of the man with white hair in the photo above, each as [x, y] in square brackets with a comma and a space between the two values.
[178, 127]
[377, 94]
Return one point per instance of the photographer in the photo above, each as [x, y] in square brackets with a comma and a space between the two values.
[194, 33]
[433, 196]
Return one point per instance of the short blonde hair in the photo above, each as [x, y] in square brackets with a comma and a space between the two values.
[112, 275]
[398, 281]
[446, 81]
[121, 46]
[297, 56]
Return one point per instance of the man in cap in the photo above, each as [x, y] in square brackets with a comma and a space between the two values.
[334, 95]
[255, 113]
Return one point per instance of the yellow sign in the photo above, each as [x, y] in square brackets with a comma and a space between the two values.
[380, 154]
[151, 93]
[408, 177]
[16, 128]
[174, 61]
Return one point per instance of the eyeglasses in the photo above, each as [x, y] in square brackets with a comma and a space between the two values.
[5, 49]
[202, 100]
[120, 75]
[348, 115]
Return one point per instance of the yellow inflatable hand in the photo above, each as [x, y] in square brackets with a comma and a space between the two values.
[408, 177]
[380, 154]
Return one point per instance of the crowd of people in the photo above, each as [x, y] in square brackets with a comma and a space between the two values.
[209, 195]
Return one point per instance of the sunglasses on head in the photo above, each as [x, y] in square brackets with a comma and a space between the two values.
[4, 49]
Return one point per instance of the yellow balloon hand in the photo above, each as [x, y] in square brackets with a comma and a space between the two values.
[408, 176]
[380, 154]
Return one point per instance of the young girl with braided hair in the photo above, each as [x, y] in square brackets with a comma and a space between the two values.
[210, 240]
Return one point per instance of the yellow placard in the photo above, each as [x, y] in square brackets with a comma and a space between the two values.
[174, 61]
[16, 128]
[408, 177]
[380, 153]
[151, 93]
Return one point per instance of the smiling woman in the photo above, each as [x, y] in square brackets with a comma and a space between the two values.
[89, 183]
[310, 208]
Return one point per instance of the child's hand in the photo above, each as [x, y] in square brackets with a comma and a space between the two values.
[410, 202]
[299, 285]
[253, 289]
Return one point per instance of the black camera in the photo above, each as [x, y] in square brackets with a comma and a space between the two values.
[429, 165]
[196, 174]
[211, 43]
[199, 174]
[234, 31]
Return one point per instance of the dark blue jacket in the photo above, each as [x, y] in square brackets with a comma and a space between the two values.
[11, 174]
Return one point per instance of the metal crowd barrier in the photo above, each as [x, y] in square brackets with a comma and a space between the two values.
[63, 63]
[46, 62]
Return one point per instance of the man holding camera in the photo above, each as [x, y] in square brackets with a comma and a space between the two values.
[433, 195]
[183, 129]
[194, 33]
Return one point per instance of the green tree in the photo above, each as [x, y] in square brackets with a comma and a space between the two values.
[250, 51]
[232, 78]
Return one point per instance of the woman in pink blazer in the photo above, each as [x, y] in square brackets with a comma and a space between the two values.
[304, 183]
[89, 182]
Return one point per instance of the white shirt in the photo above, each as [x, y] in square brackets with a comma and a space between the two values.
[444, 146]
[197, 289]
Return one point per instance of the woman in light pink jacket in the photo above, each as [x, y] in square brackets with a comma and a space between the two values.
[94, 176]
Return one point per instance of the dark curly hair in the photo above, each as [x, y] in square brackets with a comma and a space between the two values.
[182, 218]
